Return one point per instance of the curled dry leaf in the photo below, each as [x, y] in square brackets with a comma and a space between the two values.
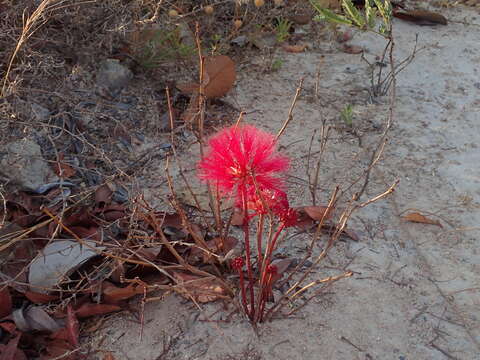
[421, 17]
[294, 48]
[59, 259]
[419, 218]
[200, 289]
[5, 302]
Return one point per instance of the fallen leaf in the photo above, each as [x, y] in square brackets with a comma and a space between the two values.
[108, 356]
[199, 288]
[34, 318]
[113, 294]
[294, 48]
[351, 234]
[216, 246]
[58, 260]
[91, 309]
[58, 349]
[219, 75]
[38, 298]
[317, 212]
[73, 327]
[421, 17]
[5, 302]
[191, 112]
[419, 218]
[9, 352]
[103, 195]
[301, 19]
[8, 326]
[62, 169]
[282, 265]
[344, 36]
[352, 49]
[237, 217]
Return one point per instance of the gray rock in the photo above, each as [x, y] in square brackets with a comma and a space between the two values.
[113, 76]
[22, 163]
[39, 112]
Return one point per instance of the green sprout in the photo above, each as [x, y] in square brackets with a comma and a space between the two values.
[282, 29]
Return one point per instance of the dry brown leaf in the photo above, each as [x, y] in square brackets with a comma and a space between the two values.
[91, 309]
[294, 48]
[317, 212]
[188, 88]
[191, 112]
[38, 298]
[5, 302]
[237, 217]
[62, 169]
[222, 75]
[421, 17]
[419, 218]
[103, 195]
[73, 327]
[201, 289]
[113, 294]
[344, 36]
[352, 49]
[108, 356]
[219, 76]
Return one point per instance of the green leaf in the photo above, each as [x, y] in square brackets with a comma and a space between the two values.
[370, 14]
[353, 12]
[330, 16]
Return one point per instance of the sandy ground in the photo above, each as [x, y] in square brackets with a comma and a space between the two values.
[415, 293]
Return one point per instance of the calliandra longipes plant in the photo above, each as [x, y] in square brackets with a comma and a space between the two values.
[243, 163]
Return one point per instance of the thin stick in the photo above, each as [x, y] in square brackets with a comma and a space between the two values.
[292, 107]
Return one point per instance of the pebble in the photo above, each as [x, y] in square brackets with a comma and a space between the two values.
[112, 77]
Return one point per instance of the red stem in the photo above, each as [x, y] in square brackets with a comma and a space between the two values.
[244, 293]
[259, 241]
[247, 251]
[263, 275]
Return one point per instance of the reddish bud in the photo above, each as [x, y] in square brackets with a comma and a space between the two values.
[272, 269]
[237, 263]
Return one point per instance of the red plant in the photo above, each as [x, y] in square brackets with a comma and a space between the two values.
[244, 164]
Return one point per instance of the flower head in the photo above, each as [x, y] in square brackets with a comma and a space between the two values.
[237, 263]
[263, 201]
[241, 159]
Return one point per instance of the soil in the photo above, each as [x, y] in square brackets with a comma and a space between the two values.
[415, 289]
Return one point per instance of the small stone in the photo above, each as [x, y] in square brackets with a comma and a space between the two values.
[113, 76]
[39, 112]
[22, 163]
[241, 40]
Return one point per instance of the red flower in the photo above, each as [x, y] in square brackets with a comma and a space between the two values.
[264, 201]
[241, 159]
[289, 217]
